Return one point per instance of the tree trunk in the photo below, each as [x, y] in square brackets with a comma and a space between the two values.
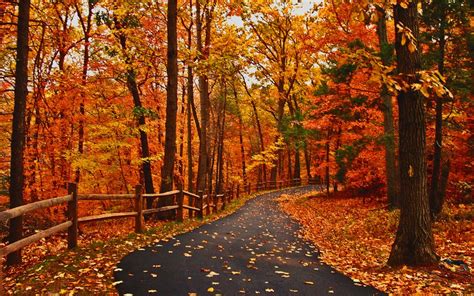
[436, 195]
[290, 175]
[145, 150]
[86, 28]
[260, 135]
[180, 180]
[281, 109]
[189, 131]
[190, 102]
[414, 244]
[297, 172]
[443, 184]
[203, 52]
[387, 109]
[307, 160]
[167, 170]
[18, 127]
[220, 147]
[241, 138]
[146, 165]
[328, 181]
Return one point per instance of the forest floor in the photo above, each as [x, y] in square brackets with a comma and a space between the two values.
[355, 238]
[50, 268]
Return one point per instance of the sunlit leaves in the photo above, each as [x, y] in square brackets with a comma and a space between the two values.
[407, 37]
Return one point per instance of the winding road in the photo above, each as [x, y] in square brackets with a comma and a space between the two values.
[256, 250]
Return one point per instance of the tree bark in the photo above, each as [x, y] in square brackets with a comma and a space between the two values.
[414, 244]
[146, 165]
[18, 128]
[387, 109]
[241, 137]
[167, 170]
[307, 160]
[436, 195]
[220, 147]
[260, 136]
[190, 103]
[145, 150]
[203, 52]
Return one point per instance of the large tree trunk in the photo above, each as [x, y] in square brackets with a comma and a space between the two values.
[18, 128]
[145, 150]
[414, 244]
[167, 170]
[190, 103]
[387, 109]
[203, 52]
[436, 195]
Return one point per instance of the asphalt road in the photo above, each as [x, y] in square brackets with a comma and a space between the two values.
[256, 250]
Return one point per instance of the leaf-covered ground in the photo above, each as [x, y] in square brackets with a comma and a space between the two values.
[356, 237]
[257, 250]
[49, 268]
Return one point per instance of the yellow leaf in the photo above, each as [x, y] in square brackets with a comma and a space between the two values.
[411, 171]
[411, 47]
[439, 91]
[374, 18]
[424, 91]
[210, 290]
[419, 7]
[404, 39]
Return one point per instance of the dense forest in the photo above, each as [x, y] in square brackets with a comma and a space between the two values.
[372, 98]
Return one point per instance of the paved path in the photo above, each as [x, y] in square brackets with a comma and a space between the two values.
[254, 251]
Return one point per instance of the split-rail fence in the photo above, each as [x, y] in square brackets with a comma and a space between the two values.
[197, 205]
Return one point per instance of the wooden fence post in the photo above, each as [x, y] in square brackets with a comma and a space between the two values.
[179, 213]
[138, 209]
[201, 205]
[72, 216]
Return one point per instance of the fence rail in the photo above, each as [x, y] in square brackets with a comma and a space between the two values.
[200, 204]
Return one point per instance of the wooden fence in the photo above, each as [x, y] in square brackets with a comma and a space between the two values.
[197, 204]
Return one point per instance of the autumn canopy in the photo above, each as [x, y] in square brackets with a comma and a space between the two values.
[371, 98]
